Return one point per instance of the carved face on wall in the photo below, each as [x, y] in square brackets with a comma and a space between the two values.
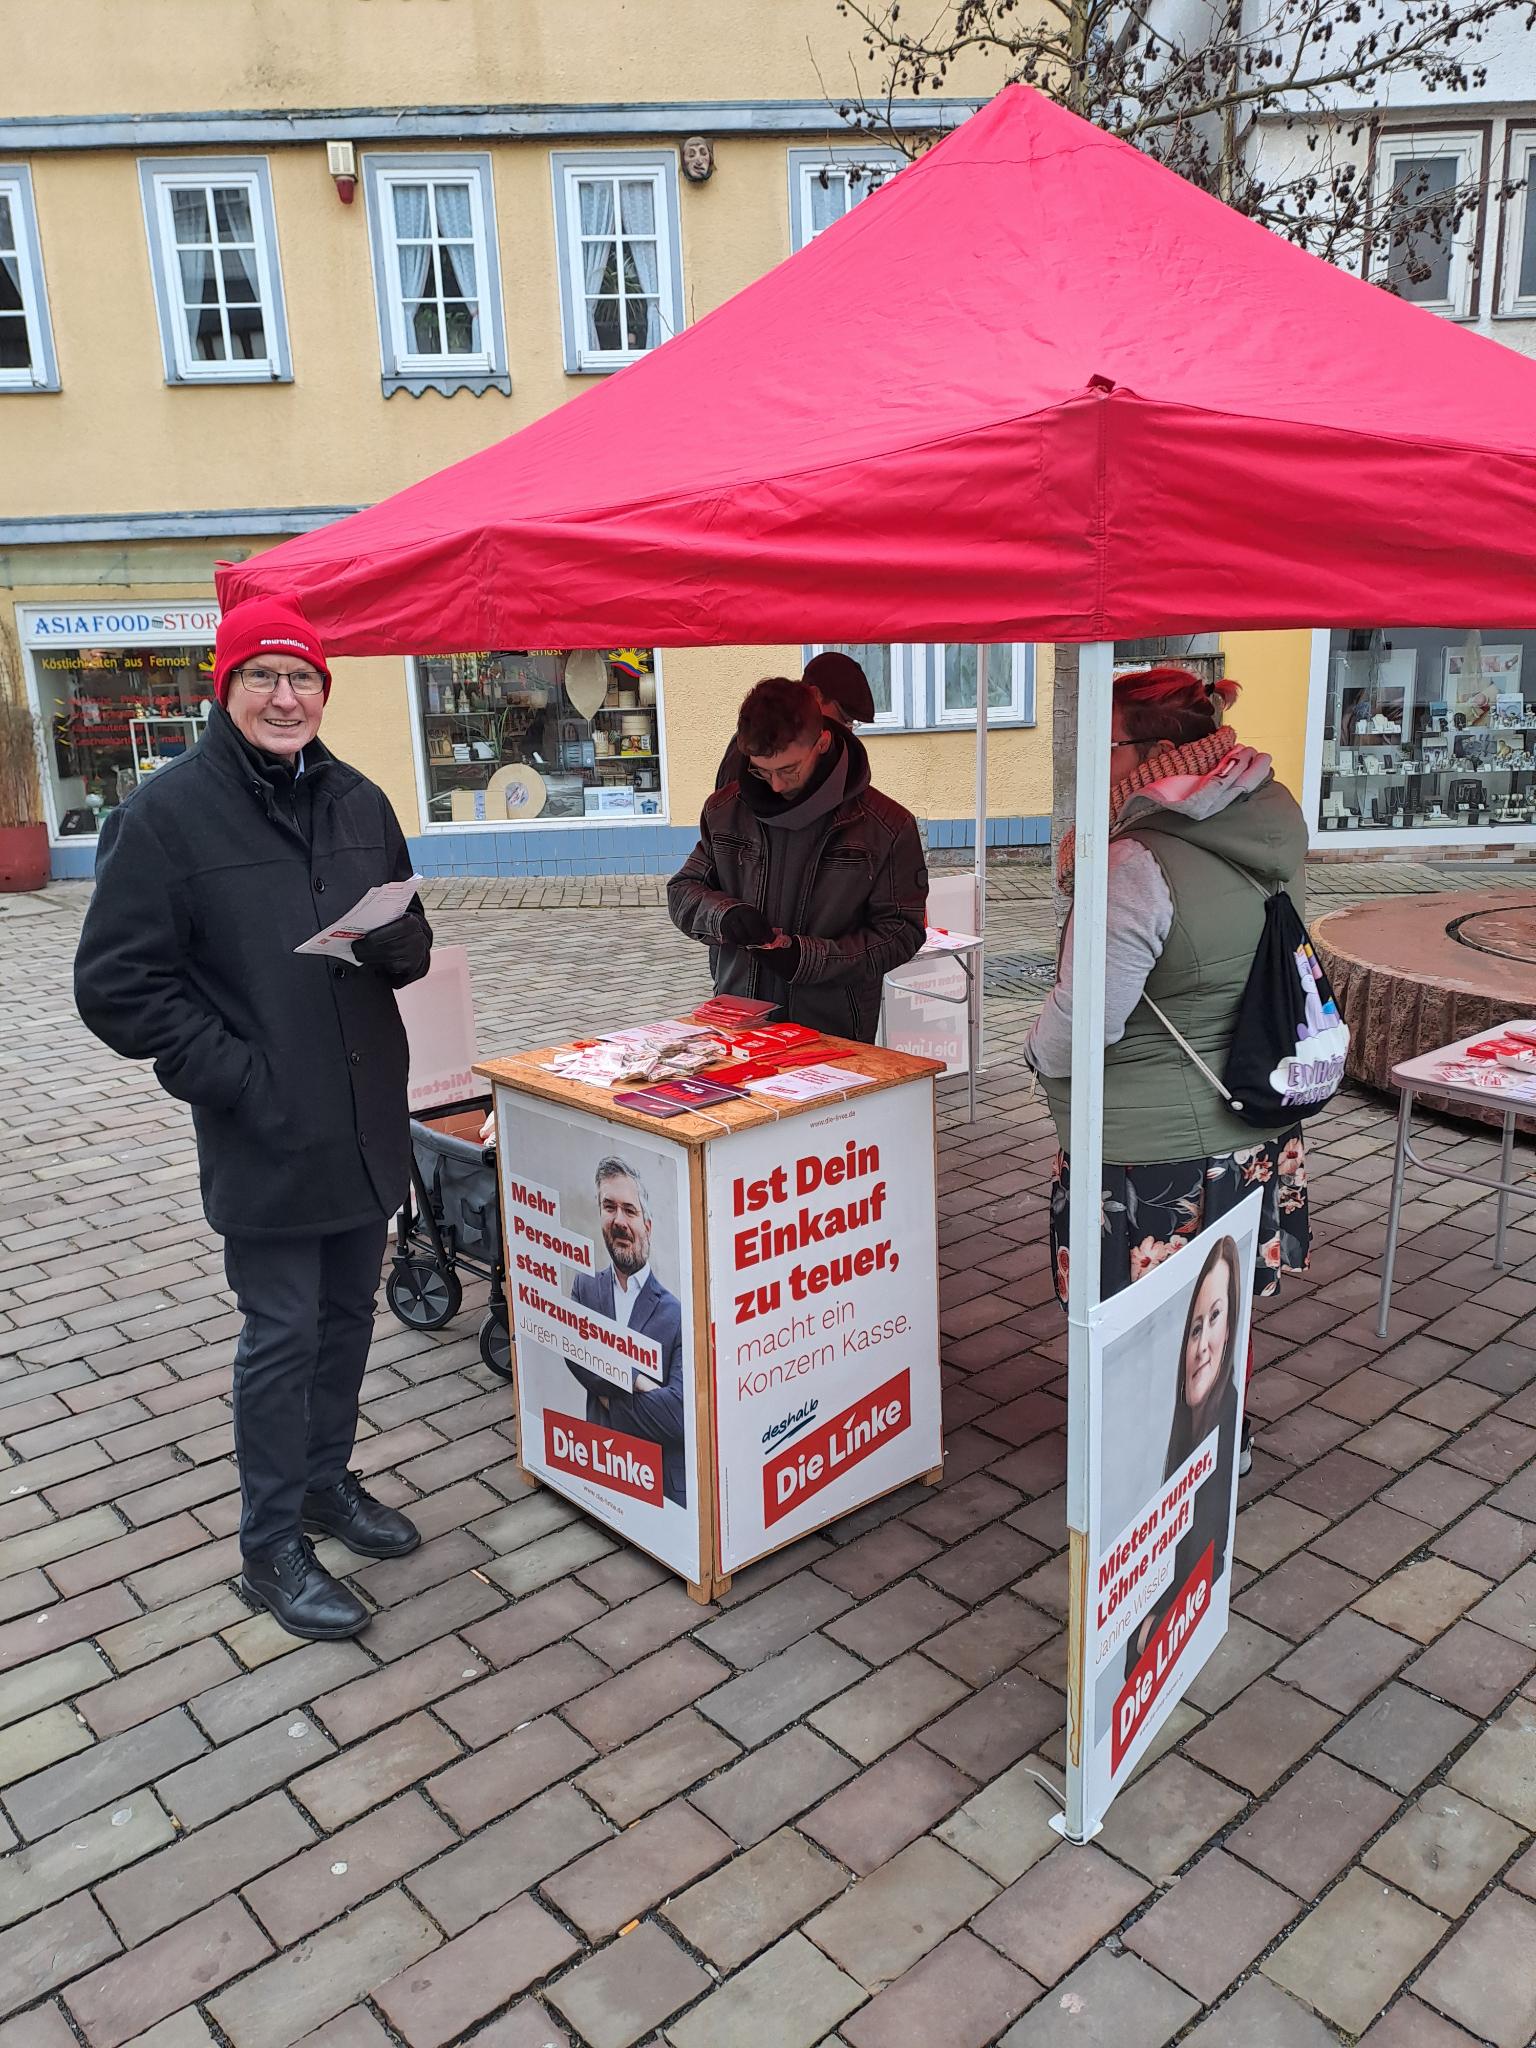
[698, 159]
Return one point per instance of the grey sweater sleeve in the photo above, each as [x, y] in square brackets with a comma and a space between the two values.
[1140, 919]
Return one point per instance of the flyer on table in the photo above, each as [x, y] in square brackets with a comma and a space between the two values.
[599, 1282]
[824, 1309]
[1169, 1354]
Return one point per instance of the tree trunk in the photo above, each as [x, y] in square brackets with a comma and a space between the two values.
[1063, 761]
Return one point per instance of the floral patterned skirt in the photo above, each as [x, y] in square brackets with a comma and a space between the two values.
[1150, 1211]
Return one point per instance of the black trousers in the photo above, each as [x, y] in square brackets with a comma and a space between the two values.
[299, 1361]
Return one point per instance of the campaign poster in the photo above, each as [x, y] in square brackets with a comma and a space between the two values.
[1169, 1355]
[600, 1288]
[824, 1310]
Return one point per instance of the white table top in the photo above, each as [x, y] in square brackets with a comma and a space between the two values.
[1449, 1073]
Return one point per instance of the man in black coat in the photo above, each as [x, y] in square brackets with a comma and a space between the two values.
[207, 878]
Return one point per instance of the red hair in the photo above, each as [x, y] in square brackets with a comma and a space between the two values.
[1171, 704]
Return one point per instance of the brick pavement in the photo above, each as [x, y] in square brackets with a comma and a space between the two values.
[545, 1799]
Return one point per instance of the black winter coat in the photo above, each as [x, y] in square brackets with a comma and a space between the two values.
[207, 877]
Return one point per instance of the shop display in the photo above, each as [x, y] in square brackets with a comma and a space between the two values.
[114, 715]
[525, 735]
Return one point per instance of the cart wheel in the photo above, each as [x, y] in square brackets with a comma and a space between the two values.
[496, 1345]
[423, 1294]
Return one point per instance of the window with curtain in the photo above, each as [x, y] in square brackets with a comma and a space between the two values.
[957, 684]
[18, 350]
[617, 226]
[213, 254]
[822, 187]
[437, 239]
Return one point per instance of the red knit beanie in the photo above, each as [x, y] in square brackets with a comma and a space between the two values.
[263, 625]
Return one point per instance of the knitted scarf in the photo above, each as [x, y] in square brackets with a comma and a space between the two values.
[1198, 757]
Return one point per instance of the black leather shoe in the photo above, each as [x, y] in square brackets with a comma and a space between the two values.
[300, 1594]
[365, 1525]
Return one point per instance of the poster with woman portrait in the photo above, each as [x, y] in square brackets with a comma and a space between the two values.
[1169, 1371]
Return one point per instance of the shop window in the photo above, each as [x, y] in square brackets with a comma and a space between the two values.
[919, 688]
[1427, 214]
[112, 717]
[436, 276]
[1517, 293]
[620, 256]
[213, 256]
[516, 737]
[27, 361]
[1428, 731]
[824, 185]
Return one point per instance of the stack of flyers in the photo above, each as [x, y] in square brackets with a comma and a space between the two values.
[764, 1040]
[643, 1052]
[809, 1084]
[675, 1098]
[1487, 1078]
[733, 1011]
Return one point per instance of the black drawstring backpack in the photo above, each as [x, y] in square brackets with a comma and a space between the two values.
[1289, 1044]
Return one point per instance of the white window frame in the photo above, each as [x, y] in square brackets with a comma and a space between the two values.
[806, 165]
[1402, 146]
[1020, 708]
[655, 167]
[404, 368]
[42, 373]
[158, 179]
[1518, 216]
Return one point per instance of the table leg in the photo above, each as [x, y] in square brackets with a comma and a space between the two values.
[1399, 1167]
[1506, 1175]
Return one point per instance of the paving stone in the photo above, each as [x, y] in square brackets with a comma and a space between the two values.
[1161, 1819]
[754, 1899]
[1306, 1831]
[872, 1561]
[1207, 1929]
[1005, 1828]
[1435, 1493]
[43, 2027]
[789, 1998]
[887, 1806]
[50, 1948]
[525, 2025]
[1400, 1737]
[990, 1640]
[168, 1682]
[881, 1927]
[1485, 1977]
[961, 1994]
[552, 1557]
[174, 1969]
[782, 1689]
[1398, 1441]
[896, 1620]
[1060, 1908]
[1408, 2024]
[202, 1867]
[374, 1770]
[508, 1857]
[520, 1692]
[1373, 1539]
[1257, 1739]
[1500, 1767]
[516, 1632]
[1494, 1448]
[1336, 1483]
[1444, 1850]
[61, 1675]
[42, 1739]
[1422, 1600]
[1510, 1610]
[1487, 1542]
[497, 1778]
[1354, 1949]
[772, 1785]
[996, 1726]
[893, 1703]
[103, 1773]
[371, 1702]
[622, 1878]
[1472, 1668]
[984, 1563]
[298, 1991]
[1298, 1596]
[227, 1777]
[1346, 1661]
[1271, 1529]
[55, 1541]
[631, 1987]
[434, 1613]
[141, 1638]
[242, 1704]
[86, 1852]
[1110, 2001]
[330, 1878]
[443, 1993]
[771, 1621]
[614, 1711]
[1261, 2013]
[1244, 1653]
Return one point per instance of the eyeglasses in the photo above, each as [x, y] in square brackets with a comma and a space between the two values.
[263, 681]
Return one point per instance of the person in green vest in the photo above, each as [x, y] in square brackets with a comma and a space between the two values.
[1200, 833]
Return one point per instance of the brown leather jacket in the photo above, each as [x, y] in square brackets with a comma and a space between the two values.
[858, 908]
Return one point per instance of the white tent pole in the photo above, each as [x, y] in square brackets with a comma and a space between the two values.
[1090, 900]
[981, 786]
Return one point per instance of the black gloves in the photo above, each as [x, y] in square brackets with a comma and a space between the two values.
[399, 951]
[744, 926]
[781, 961]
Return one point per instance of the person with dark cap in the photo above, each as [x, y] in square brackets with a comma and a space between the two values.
[844, 693]
[807, 885]
[207, 879]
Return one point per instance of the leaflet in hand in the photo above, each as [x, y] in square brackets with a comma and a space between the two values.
[379, 907]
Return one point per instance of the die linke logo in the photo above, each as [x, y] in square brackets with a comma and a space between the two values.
[803, 1468]
[1160, 1659]
[624, 1464]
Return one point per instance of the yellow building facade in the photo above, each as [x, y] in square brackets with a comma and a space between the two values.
[260, 266]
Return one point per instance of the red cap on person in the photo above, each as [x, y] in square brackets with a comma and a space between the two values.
[263, 625]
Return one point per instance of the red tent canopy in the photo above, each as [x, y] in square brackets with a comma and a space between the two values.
[1036, 387]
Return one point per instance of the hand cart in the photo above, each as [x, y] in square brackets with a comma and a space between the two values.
[451, 1219]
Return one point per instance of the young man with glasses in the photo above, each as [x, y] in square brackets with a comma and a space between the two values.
[207, 878]
[807, 885]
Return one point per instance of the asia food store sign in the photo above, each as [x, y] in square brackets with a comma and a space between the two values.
[824, 1315]
[117, 625]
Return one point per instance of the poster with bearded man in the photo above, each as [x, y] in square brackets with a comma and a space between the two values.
[599, 1270]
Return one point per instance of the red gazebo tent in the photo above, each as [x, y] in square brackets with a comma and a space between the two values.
[1035, 388]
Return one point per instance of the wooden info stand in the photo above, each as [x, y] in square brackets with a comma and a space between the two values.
[725, 1323]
